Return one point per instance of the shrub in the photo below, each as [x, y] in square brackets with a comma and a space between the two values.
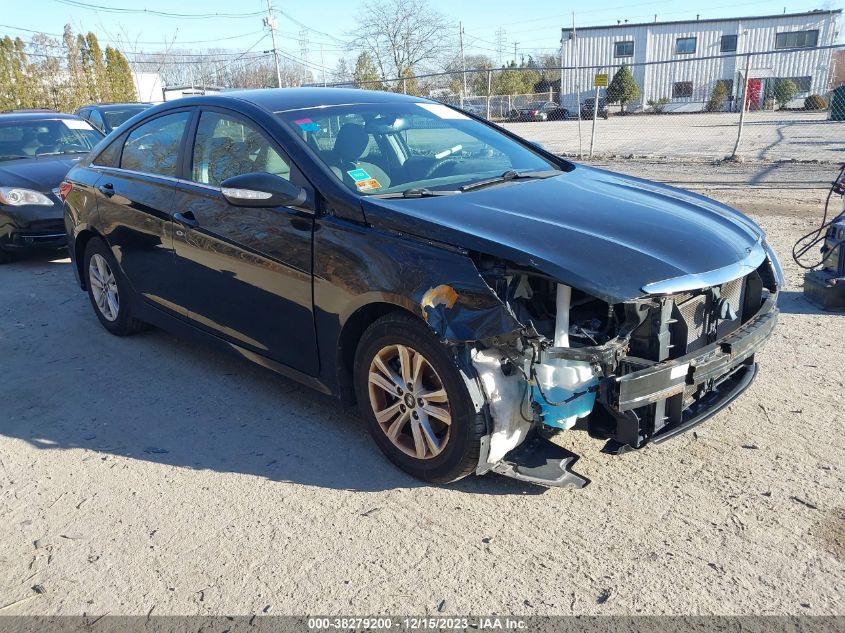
[785, 90]
[658, 106]
[815, 102]
[717, 97]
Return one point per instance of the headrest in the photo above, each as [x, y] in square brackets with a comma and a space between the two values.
[350, 143]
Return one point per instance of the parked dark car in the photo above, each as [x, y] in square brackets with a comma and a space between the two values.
[37, 148]
[587, 108]
[538, 111]
[471, 291]
[109, 116]
[478, 109]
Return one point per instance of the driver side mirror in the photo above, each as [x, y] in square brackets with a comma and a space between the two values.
[260, 189]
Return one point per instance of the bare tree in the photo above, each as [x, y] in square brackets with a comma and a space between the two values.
[404, 36]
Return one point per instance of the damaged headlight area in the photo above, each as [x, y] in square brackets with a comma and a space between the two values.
[630, 373]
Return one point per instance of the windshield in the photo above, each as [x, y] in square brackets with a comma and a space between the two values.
[116, 118]
[27, 139]
[397, 147]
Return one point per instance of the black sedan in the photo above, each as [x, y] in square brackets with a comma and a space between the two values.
[538, 111]
[588, 107]
[37, 149]
[471, 292]
[110, 116]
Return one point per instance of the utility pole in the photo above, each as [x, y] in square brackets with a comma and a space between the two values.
[323, 64]
[463, 63]
[270, 22]
[515, 44]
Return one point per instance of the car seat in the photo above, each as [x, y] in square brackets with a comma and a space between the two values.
[350, 144]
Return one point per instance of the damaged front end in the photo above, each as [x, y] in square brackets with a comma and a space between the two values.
[629, 372]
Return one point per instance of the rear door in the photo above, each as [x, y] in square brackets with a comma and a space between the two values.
[247, 270]
[135, 201]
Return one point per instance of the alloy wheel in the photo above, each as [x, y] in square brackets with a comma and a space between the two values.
[104, 287]
[409, 401]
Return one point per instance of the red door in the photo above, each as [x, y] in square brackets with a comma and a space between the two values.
[755, 91]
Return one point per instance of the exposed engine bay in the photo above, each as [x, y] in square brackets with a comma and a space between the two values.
[630, 373]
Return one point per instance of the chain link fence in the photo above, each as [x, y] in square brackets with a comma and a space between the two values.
[774, 106]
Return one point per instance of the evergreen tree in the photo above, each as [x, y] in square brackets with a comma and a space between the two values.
[100, 83]
[86, 89]
[366, 74]
[623, 88]
[119, 77]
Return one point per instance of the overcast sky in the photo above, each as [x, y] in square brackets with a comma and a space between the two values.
[329, 22]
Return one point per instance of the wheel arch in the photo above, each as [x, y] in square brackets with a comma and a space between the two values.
[80, 242]
[350, 336]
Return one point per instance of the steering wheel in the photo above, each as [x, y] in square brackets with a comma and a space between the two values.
[436, 166]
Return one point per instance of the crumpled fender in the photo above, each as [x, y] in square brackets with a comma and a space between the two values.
[465, 310]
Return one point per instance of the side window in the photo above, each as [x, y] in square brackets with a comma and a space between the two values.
[153, 148]
[96, 120]
[110, 156]
[226, 146]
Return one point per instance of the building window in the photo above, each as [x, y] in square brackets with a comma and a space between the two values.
[623, 49]
[797, 39]
[728, 44]
[682, 90]
[685, 45]
[804, 84]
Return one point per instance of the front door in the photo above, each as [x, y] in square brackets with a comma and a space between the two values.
[245, 272]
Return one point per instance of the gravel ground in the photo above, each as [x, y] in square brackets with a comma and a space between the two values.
[766, 135]
[148, 473]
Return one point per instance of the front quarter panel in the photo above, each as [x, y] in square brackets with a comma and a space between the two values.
[356, 266]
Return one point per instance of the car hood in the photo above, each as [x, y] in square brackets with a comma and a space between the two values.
[604, 233]
[43, 173]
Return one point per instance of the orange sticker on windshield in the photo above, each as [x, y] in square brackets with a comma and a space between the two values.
[368, 185]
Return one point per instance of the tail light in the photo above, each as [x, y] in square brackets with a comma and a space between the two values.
[64, 189]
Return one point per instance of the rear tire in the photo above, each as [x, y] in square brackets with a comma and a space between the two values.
[108, 290]
[430, 430]
[6, 258]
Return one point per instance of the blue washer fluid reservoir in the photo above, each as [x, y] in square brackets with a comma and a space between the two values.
[561, 380]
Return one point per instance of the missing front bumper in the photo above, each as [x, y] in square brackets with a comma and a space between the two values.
[662, 399]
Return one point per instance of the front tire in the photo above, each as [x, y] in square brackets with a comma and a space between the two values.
[415, 402]
[108, 290]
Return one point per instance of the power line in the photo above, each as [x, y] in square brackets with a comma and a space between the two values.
[151, 43]
[184, 16]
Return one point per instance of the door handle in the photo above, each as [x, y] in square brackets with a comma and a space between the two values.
[186, 219]
[107, 189]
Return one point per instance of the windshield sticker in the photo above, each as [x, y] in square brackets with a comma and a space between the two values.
[359, 174]
[368, 185]
[443, 112]
[75, 124]
[307, 125]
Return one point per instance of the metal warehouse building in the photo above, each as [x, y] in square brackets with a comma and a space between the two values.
[683, 61]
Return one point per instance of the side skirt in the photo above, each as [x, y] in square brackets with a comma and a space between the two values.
[183, 329]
